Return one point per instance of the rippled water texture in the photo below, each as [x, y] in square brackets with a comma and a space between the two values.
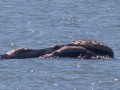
[43, 23]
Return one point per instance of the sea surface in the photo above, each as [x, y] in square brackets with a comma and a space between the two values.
[42, 23]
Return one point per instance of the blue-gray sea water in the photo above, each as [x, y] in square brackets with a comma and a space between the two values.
[42, 23]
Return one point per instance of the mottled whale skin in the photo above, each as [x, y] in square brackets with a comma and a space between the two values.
[71, 51]
[96, 47]
[86, 49]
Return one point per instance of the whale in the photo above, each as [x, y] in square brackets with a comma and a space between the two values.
[82, 49]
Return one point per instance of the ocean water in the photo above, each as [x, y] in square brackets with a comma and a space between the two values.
[42, 23]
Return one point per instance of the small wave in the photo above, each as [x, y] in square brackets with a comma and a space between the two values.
[102, 57]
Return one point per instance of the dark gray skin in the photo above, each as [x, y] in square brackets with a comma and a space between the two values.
[90, 49]
[23, 53]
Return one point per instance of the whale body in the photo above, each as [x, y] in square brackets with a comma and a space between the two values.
[85, 49]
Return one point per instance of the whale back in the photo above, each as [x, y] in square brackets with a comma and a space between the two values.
[95, 46]
[18, 51]
[71, 51]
